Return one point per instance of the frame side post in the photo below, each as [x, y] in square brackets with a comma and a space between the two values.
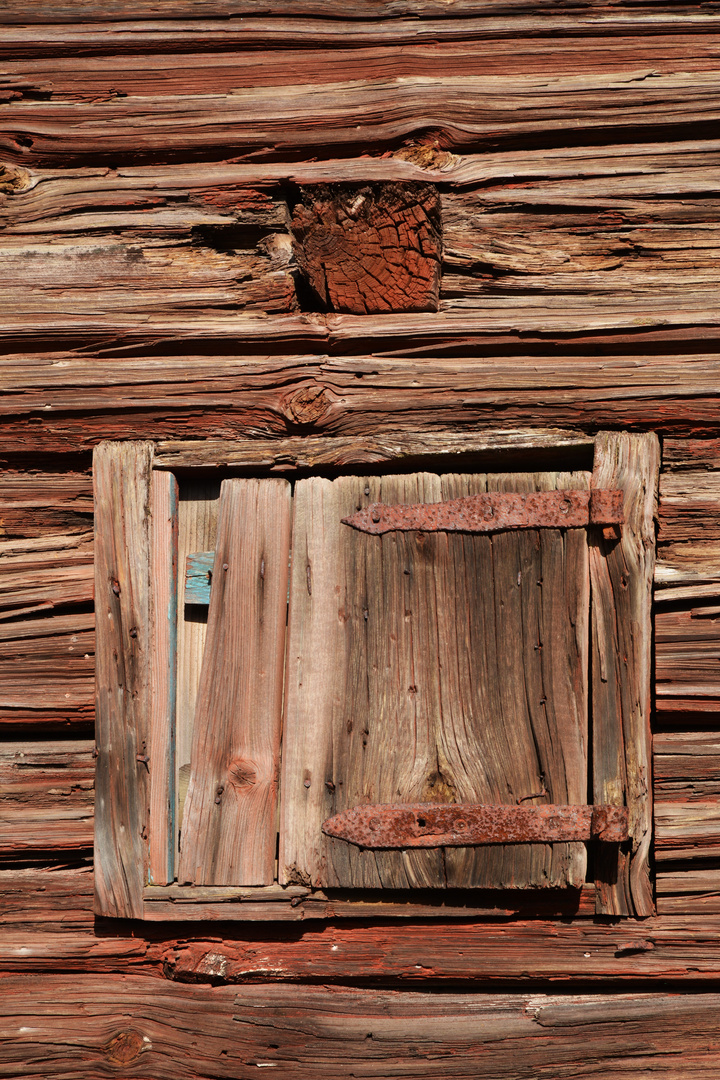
[122, 475]
[621, 574]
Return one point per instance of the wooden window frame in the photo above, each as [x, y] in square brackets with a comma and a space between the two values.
[135, 592]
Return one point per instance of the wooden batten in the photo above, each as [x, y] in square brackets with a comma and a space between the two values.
[163, 644]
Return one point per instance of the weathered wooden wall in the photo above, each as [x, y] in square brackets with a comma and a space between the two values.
[148, 291]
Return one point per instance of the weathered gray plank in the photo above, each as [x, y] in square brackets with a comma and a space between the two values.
[229, 828]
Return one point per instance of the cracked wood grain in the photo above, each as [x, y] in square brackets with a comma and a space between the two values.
[370, 249]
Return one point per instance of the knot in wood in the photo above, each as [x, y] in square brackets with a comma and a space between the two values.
[126, 1046]
[13, 178]
[372, 248]
[242, 773]
[308, 406]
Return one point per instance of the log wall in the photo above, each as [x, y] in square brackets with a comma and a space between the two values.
[148, 165]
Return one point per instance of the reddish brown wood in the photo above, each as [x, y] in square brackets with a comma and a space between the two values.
[46, 792]
[338, 115]
[365, 397]
[168, 1031]
[37, 503]
[370, 249]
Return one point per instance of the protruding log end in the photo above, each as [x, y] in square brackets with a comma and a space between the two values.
[370, 249]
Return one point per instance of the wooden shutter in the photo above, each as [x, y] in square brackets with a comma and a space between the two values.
[432, 667]
[229, 821]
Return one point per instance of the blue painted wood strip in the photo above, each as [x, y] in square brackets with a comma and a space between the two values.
[198, 574]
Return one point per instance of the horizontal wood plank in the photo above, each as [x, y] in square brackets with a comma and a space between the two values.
[687, 831]
[50, 898]
[47, 795]
[165, 1031]
[336, 114]
[366, 397]
[671, 949]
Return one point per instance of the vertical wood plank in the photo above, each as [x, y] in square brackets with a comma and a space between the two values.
[417, 671]
[197, 531]
[514, 725]
[316, 654]
[122, 481]
[229, 825]
[621, 593]
[164, 592]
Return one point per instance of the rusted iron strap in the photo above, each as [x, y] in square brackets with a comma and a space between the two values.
[494, 512]
[426, 825]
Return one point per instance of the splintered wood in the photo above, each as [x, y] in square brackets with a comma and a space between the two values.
[431, 668]
[229, 829]
[369, 249]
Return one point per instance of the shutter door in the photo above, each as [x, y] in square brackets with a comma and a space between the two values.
[432, 667]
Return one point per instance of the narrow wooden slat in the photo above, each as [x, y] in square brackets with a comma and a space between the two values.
[308, 451]
[123, 499]
[229, 829]
[197, 529]
[397, 690]
[621, 589]
[164, 577]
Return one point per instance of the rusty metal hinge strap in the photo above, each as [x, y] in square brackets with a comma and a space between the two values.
[494, 512]
[425, 825]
